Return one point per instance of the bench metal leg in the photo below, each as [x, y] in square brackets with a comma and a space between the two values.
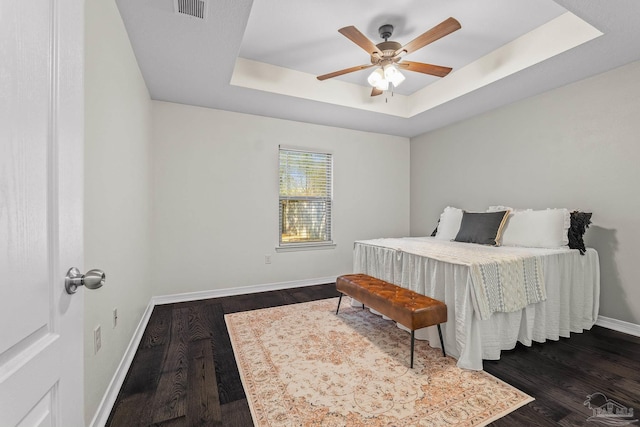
[441, 341]
[413, 338]
[339, 300]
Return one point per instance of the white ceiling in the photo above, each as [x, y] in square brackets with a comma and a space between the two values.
[303, 35]
[283, 44]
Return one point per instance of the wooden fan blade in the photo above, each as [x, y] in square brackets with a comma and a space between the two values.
[353, 34]
[420, 67]
[345, 71]
[447, 26]
[376, 92]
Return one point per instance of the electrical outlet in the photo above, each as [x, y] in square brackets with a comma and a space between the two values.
[97, 339]
[267, 259]
[115, 317]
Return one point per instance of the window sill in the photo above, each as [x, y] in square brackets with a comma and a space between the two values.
[305, 247]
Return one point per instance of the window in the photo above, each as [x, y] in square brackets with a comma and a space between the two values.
[305, 198]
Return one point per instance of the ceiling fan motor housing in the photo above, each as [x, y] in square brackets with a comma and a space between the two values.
[388, 50]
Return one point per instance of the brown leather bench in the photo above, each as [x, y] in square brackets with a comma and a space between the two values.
[409, 308]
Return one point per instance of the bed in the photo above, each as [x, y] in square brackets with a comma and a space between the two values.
[557, 290]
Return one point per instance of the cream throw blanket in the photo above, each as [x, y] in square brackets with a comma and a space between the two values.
[503, 280]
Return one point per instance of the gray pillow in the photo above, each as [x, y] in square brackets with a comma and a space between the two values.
[484, 228]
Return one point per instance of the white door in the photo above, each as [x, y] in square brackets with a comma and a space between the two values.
[41, 204]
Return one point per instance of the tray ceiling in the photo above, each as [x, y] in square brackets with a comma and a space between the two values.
[261, 57]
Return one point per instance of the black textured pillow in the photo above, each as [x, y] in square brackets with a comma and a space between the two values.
[579, 223]
[484, 228]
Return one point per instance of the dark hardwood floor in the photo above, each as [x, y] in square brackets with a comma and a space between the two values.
[184, 372]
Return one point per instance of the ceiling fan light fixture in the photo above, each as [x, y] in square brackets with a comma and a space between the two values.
[377, 79]
[383, 85]
[392, 75]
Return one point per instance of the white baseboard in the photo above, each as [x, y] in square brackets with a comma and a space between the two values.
[109, 398]
[226, 292]
[619, 325]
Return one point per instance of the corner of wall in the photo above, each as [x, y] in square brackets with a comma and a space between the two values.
[117, 204]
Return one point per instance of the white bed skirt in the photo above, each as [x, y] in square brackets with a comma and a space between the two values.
[573, 293]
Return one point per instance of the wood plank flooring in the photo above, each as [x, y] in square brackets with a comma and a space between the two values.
[184, 372]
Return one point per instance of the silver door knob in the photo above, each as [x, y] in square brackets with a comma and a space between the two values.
[93, 279]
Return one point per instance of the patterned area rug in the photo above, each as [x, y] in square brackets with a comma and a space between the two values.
[301, 365]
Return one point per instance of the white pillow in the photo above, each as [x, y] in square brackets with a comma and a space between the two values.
[449, 224]
[537, 229]
[501, 208]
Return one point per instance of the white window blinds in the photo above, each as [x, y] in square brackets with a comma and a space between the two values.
[305, 197]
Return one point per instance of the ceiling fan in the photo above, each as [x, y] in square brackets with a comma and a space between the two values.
[387, 56]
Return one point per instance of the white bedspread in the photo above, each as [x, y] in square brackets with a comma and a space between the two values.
[572, 287]
[502, 280]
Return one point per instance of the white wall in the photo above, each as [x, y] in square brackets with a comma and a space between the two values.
[575, 147]
[117, 193]
[216, 197]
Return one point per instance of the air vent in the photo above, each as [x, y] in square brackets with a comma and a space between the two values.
[195, 8]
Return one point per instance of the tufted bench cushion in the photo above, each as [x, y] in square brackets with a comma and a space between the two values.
[409, 308]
